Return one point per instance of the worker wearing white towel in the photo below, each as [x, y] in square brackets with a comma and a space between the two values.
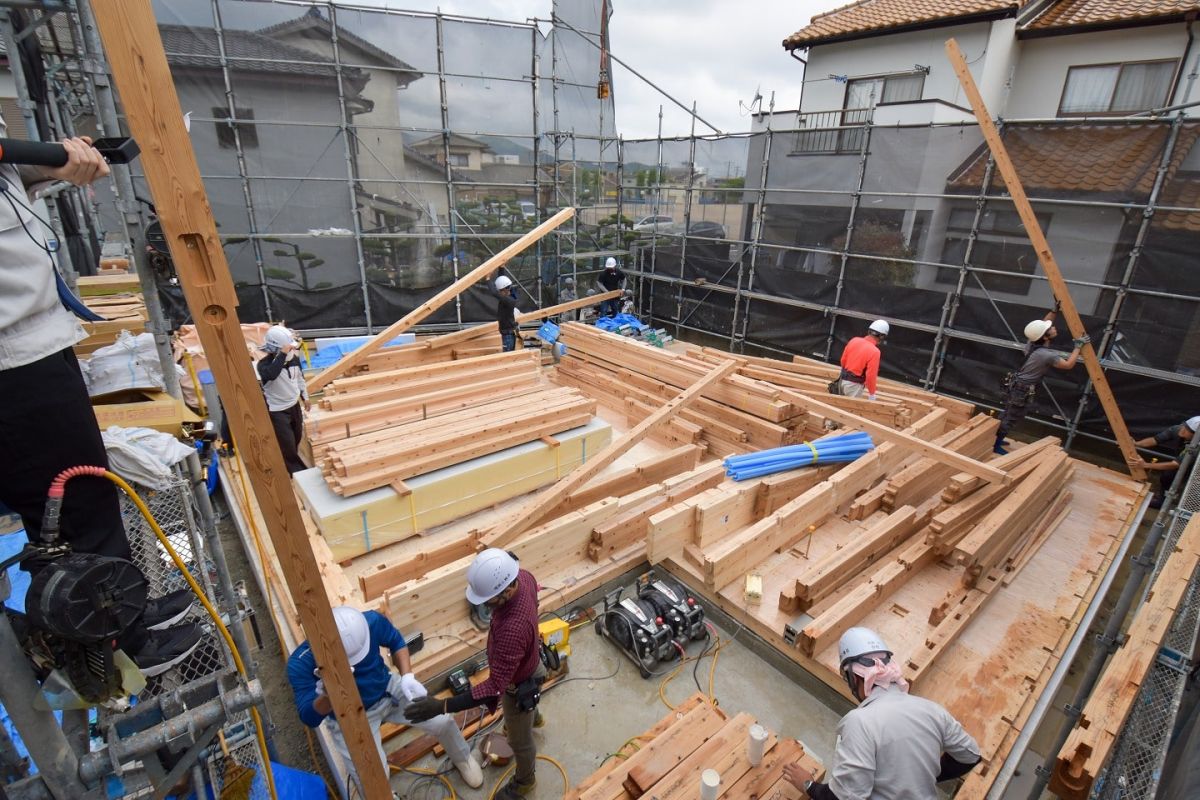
[282, 375]
[894, 746]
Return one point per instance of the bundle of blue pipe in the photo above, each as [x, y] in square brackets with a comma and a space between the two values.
[834, 450]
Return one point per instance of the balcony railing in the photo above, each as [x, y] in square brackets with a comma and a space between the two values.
[826, 132]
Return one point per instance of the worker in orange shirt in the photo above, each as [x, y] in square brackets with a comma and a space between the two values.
[860, 361]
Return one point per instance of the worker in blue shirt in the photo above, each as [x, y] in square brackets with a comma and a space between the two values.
[384, 693]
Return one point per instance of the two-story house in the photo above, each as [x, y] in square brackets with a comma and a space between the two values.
[885, 156]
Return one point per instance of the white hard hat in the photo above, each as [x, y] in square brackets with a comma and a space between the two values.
[1035, 330]
[490, 574]
[1193, 424]
[277, 338]
[879, 326]
[858, 642]
[569, 281]
[611, 263]
[503, 282]
[356, 635]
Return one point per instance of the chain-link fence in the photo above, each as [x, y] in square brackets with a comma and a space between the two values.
[1136, 765]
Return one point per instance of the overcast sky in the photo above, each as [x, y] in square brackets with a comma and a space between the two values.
[716, 52]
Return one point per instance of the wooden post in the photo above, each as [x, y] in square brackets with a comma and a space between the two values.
[139, 67]
[532, 513]
[438, 300]
[1040, 246]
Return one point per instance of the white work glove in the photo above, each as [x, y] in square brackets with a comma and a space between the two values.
[870, 397]
[412, 688]
[320, 687]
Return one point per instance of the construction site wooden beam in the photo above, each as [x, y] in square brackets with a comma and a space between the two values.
[902, 439]
[1037, 239]
[139, 67]
[452, 291]
[533, 512]
[467, 334]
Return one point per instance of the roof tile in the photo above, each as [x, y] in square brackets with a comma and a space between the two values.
[866, 16]
[1105, 162]
[1077, 13]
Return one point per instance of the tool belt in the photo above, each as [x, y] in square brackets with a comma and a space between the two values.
[1015, 389]
[529, 692]
[847, 375]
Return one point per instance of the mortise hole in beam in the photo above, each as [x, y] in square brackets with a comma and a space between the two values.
[898, 610]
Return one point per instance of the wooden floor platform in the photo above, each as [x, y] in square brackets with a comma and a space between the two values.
[980, 621]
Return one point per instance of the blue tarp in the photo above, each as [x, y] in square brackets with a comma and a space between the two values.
[332, 352]
[617, 320]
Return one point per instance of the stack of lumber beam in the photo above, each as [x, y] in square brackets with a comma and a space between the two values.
[666, 761]
[735, 415]
[377, 400]
[1090, 744]
[386, 457]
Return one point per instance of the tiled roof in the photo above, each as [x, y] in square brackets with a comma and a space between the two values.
[314, 21]
[188, 46]
[867, 16]
[1105, 162]
[1088, 13]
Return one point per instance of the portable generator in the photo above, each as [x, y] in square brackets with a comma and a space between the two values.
[656, 625]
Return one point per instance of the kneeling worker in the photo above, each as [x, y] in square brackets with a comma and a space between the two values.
[860, 361]
[514, 660]
[893, 744]
[383, 692]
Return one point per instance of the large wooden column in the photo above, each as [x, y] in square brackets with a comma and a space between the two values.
[139, 67]
[1024, 208]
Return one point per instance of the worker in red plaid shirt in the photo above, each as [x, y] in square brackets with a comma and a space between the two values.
[496, 580]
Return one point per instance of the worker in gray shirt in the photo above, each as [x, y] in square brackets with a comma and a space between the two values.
[894, 746]
[282, 375]
[1020, 386]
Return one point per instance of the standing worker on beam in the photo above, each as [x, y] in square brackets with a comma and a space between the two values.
[383, 692]
[860, 361]
[515, 667]
[1021, 386]
[282, 375]
[612, 278]
[894, 745]
[506, 311]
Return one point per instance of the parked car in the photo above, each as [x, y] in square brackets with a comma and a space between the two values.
[652, 223]
[711, 230]
[528, 209]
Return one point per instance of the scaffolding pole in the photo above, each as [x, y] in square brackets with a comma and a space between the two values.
[352, 179]
[132, 221]
[738, 342]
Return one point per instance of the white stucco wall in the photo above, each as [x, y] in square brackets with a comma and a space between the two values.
[1043, 63]
[988, 55]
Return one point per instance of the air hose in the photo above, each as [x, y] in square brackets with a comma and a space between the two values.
[54, 499]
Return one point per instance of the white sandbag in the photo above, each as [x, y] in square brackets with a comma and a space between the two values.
[130, 363]
[143, 455]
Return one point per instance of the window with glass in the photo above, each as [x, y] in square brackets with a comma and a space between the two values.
[863, 94]
[246, 131]
[1001, 245]
[1116, 88]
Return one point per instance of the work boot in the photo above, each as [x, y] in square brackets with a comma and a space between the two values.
[998, 447]
[165, 649]
[163, 612]
[471, 772]
[514, 791]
